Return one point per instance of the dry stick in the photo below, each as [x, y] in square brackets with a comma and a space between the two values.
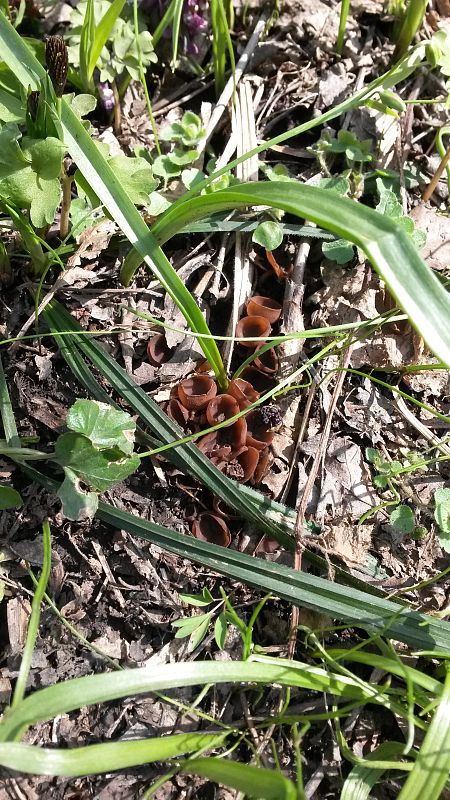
[436, 177]
[231, 84]
[300, 519]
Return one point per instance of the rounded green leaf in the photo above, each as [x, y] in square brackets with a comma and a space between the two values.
[269, 235]
[9, 498]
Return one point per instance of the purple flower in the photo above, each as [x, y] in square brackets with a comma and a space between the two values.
[106, 96]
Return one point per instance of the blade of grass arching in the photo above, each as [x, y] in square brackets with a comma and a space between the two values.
[70, 695]
[102, 32]
[361, 780]
[33, 624]
[6, 412]
[266, 784]
[108, 188]
[430, 772]
[98, 758]
[391, 251]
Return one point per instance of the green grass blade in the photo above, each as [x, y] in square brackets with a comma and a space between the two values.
[98, 758]
[176, 23]
[108, 188]
[7, 413]
[87, 39]
[73, 694]
[391, 251]
[430, 772]
[102, 33]
[265, 784]
[359, 783]
[33, 625]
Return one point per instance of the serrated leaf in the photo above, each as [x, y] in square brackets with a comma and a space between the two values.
[29, 175]
[372, 455]
[100, 469]
[77, 504]
[104, 426]
[9, 498]
[135, 176]
[402, 519]
[380, 481]
[165, 167]
[220, 631]
[339, 251]
[268, 234]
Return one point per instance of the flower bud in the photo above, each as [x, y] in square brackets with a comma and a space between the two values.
[57, 61]
[393, 101]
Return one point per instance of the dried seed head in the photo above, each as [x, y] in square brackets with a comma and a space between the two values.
[57, 61]
[32, 105]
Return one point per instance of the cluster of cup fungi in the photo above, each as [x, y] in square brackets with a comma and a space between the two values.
[241, 450]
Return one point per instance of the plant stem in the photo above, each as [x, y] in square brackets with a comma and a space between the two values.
[345, 6]
[117, 118]
[436, 177]
[412, 21]
[33, 625]
[66, 183]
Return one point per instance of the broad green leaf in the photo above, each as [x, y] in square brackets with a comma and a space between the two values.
[29, 175]
[269, 235]
[9, 498]
[340, 251]
[100, 469]
[255, 782]
[102, 425]
[77, 504]
[402, 519]
[82, 104]
[135, 176]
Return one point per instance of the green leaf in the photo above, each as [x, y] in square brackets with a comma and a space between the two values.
[77, 504]
[203, 599]
[9, 498]
[429, 775]
[255, 782]
[29, 175]
[199, 634]
[99, 758]
[402, 519]
[442, 516]
[105, 427]
[269, 235]
[135, 176]
[82, 104]
[188, 625]
[100, 469]
[339, 251]
[102, 32]
[362, 778]
[220, 630]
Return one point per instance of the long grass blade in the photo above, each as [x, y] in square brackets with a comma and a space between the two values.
[430, 772]
[266, 784]
[102, 32]
[98, 758]
[73, 694]
[391, 251]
